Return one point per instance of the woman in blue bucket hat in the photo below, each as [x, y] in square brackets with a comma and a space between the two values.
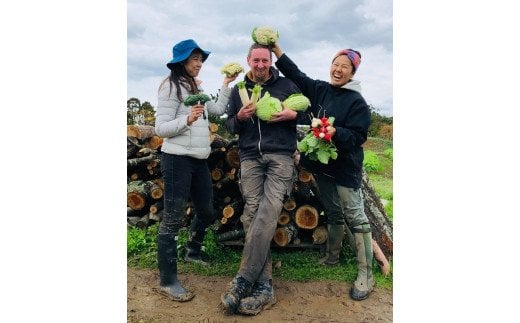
[184, 168]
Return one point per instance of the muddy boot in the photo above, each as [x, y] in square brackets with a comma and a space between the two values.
[262, 297]
[240, 288]
[193, 248]
[364, 283]
[167, 261]
[335, 237]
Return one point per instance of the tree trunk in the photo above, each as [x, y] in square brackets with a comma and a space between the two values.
[140, 132]
[139, 222]
[139, 161]
[138, 195]
[132, 146]
[231, 235]
[156, 191]
[154, 142]
[380, 224]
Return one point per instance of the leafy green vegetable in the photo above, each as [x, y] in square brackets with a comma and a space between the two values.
[297, 102]
[266, 106]
[242, 92]
[256, 93]
[196, 98]
[318, 148]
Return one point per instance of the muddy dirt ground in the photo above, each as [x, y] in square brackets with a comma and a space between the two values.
[296, 302]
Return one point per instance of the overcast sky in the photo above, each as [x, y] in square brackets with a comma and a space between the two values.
[311, 31]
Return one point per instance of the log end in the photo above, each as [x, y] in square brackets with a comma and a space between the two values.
[135, 201]
[281, 237]
[306, 217]
[320, 235]
[284, 218]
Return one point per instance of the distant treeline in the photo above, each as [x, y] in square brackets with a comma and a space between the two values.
[381, 126]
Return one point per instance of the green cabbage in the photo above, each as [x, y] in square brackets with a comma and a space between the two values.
[266, 106]
[297, 102]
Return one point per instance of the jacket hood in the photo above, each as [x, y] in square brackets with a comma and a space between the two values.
[353, 85]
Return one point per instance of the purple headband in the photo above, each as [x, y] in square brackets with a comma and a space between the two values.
[352, 55]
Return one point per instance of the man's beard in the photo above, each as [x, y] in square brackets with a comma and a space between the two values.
[261, 78]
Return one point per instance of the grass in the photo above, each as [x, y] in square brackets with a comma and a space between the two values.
[382, 179]
[294, 264]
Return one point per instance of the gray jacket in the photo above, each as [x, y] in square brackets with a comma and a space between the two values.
[171, 123]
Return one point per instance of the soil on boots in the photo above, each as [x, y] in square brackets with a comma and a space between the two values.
[319, 301]
[262, 297]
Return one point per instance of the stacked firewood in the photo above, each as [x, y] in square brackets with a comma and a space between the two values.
[144, 183]
[301, 223]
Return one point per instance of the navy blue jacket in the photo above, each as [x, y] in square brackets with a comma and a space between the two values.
[352, 119]
[257, 137]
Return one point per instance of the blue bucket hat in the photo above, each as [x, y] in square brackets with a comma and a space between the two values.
[182, 51]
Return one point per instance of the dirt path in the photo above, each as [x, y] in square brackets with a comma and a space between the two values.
[296, 301]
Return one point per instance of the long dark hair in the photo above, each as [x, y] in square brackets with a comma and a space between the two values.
[179, 76]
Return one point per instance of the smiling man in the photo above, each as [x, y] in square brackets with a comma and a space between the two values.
[267, 171]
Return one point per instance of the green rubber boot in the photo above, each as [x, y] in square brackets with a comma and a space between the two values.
[364, 283]
[334, 240]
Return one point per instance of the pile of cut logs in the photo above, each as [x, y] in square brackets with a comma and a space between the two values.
[302, 222]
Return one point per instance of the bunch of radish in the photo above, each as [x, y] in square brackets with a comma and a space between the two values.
[322, 127]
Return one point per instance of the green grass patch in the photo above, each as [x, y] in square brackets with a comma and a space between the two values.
[371, 162]
[376, 144]
[389, 209]
[382, 185]
[382, 179]
[296, 265]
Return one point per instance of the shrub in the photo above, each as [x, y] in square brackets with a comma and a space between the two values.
[386, 131]
[389, 153]
[371, 162]
[141, 240]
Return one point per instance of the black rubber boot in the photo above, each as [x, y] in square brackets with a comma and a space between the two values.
[262, 297]
[194, 246]
[336, 233]
[167, 262]
[364, 283]
[240, 288]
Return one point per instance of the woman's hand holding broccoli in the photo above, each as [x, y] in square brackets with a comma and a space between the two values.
[197, 111]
